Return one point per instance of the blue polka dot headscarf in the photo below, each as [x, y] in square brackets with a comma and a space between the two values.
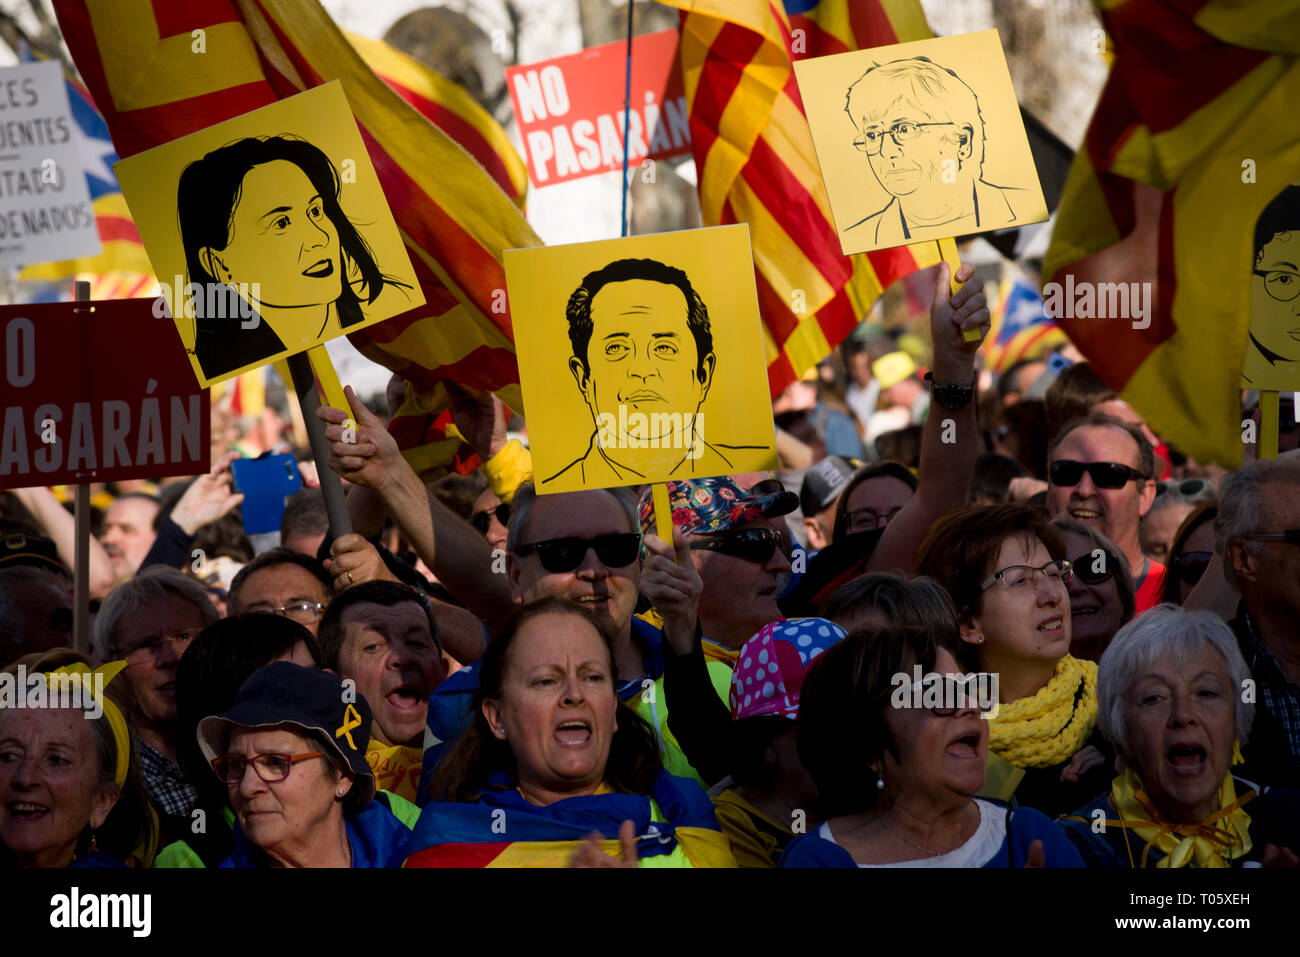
[771, 666]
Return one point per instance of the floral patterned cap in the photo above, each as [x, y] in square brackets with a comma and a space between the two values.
[717, 504]
[771, 666]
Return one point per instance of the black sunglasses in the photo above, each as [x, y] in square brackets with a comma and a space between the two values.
[767, 487]
[565, 554]
[481, 520]
[1109, 475]
[1084, 568]
[751, 544]
[1190, 566]
[1187, 488]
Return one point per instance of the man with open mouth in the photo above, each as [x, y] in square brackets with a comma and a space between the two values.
[382, 636]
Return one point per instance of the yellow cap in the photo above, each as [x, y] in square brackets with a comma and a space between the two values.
[893, 368]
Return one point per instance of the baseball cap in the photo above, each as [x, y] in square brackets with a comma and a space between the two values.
[893, 368]
[822, 483]
[701, 506]
[314, 700]
[771, 666]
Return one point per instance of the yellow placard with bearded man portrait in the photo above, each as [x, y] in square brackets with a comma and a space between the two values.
[269, 233]
[920, 141]
[641, 359]
[1273, 352]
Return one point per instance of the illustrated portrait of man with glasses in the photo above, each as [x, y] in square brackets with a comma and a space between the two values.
[921, 128]
[1274, 345]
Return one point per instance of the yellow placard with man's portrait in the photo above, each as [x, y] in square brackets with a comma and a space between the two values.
[269, 233]
[1273, 353]
[641, 359]
[920, 141]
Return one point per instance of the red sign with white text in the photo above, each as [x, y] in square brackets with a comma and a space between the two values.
[97, 392]
[570, 109]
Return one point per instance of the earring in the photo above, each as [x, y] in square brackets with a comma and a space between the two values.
[979, 639]
[94, 843]
[340, 792]
[880, 783]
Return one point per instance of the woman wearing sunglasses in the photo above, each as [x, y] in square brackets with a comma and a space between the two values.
[1191, 553]
[1101, 589]
[292, 755]
[1006, 569]
[898, 767]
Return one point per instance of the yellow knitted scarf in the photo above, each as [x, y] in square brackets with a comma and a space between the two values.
[1046, 728]
[1214, 842]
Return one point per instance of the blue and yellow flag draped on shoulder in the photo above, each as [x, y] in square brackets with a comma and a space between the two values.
[503, 830]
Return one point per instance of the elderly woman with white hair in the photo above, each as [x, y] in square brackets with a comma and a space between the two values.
[149, 621]
[1170, 698]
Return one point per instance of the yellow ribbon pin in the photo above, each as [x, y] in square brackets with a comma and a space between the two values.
[351, 719]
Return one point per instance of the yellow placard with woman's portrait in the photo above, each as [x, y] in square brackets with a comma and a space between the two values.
[641, 359]
[920, 141]
[1273, 352]
[269, 233]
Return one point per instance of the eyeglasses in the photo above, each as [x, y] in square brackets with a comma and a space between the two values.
[1291, 536]
[952, 688]
[861, 519]
[1085, 566]
[565, 554]
[1187, 488]
[1110, 475]
[483, 520]
[872, 140]
[303, 612]
[1281, 284]
[1020, 576]
[751, 544]
[271, 768]
[151, 648]
[1190, 566]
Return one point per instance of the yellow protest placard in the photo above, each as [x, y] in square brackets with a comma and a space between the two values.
[641, 359]
[920, 141]
[269, 233]
[1273, 351]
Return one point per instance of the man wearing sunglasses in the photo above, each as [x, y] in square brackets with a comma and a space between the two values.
[586, 546]
[1100, 473]
[490, 517]
[1257, 532]
[920, 126]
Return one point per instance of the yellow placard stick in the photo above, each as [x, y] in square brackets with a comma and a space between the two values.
[327, 380]
[663, 512]
[948, 253]
[1268, 421]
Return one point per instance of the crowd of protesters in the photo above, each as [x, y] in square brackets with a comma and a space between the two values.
[996, 626]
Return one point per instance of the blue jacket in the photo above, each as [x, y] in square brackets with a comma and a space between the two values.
[375, 833]
[1023, 826]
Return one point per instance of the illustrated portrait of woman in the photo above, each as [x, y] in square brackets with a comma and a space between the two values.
[271, 252]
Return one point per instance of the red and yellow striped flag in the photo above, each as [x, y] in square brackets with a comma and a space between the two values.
[756, 163]
[161, 69]
[1193, 135]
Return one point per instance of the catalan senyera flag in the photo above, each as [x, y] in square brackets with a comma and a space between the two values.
[1192, 136]
[756, 163]
[160, 69]
[502, 829]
